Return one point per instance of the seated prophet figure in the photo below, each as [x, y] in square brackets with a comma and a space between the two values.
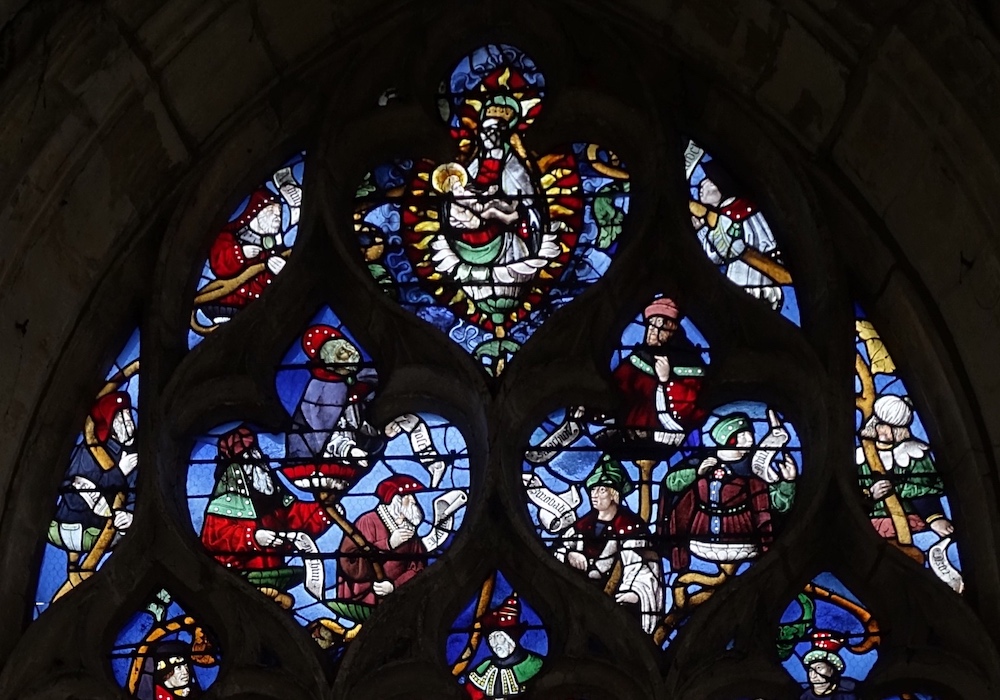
[825, 669]
[660, 380]
[249, 251]
[612, 542]
[509, 667]
[253, 524]
[734, 233]
[723, 506]
[907, 471]
[331, 440]
[391, 531]
[98, 491]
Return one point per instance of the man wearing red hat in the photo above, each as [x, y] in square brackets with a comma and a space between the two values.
[331, 439]
[252, 524]
[509, 667]
[253, 238]
[99, 489]
[825, 670]
[390, 528]
[661, 379]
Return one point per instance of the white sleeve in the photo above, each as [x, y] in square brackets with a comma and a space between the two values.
[663, 413]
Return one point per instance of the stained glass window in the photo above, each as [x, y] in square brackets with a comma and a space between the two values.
[663, 502]
[497, 645]
[94, 508]
[896, 471]
[665, 475]
[163, 653]
[249, 250]
[334, 514]
[487, 246]
[734, 234]
[827, 640]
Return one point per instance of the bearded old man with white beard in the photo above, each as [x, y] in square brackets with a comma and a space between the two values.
[252, 524]
[391, 528]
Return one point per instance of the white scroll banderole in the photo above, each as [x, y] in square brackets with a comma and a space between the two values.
[565, 435]
[937, 556]
[692, 156]
[768, 449]
[421, 444]
[445, 507]
[556, 511]
[304, 545]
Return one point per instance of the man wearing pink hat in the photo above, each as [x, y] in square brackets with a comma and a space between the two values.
[661, 379]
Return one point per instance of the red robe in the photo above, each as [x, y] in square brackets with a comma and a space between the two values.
[231, 540]
[743, 510]
[625, 525]
[638, 391]
[227, 261]
[162, 693]
[355, 574]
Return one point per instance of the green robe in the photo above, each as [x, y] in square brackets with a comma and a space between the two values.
[502, 682]
[910, 468]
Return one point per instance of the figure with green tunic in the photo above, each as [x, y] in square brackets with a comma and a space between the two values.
[721, 508]
[509, 667]
[253, 524]
[906, 471]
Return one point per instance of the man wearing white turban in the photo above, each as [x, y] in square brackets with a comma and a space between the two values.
[909, 471]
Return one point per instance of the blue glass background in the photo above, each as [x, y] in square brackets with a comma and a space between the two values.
[134, 633]
[290, 233]
[52, 573]
[790, 305]
[831, 617]
[397, 458]
[535, 637]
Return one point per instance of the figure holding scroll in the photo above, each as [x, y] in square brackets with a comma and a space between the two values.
[723, 505]
[253, 524]
[734, 233]
[391, 531]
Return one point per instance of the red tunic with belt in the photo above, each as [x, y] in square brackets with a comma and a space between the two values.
[720, 507]
[355, 573]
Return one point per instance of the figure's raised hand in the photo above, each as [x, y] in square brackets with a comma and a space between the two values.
[706, 464]
[251, 251]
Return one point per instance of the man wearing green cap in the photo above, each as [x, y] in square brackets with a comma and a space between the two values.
[723, 507]
[611, 542]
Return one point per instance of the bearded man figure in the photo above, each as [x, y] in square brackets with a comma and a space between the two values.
[612, 542]
[252, 523]
[660, 381]
[331, 440]
[509, 667]
[98, 490]
[391, 529]
[248, 252]
[909, 472]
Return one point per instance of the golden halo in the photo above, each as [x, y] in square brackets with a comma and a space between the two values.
[442, 173]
